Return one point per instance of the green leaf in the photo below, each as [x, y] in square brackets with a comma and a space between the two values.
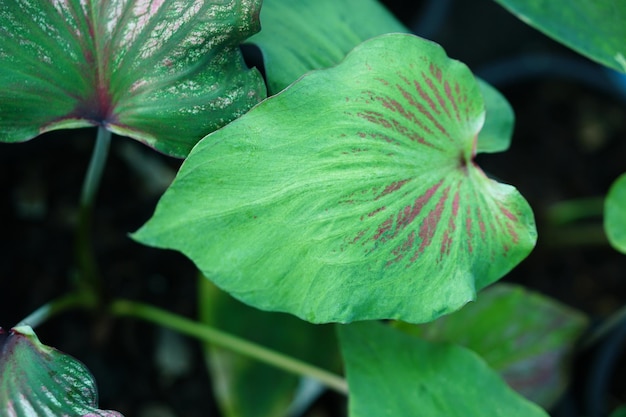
[165, 73]
[615, 214]
[594, 28]
[352, 194]
[495, 136]
[303, 35]
[245, 387]
[525, 336]
[38, 380]
[394, 374]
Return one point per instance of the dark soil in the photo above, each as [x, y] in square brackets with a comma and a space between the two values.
[569, 143]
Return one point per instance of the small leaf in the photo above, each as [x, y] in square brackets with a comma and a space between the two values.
[495, 136]
[245, 387]
[352, 194]
[394, 374]
[615, 214]
[37, 380]
[524, 336]
[594, 28]
[163, 72]
[300, 36]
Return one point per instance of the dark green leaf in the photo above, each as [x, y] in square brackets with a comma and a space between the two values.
[615, 214]
[245, 387]
[352, 194]
[524, 336]
[393, 374]
[37, 380]
[594, 28]
[165, 73]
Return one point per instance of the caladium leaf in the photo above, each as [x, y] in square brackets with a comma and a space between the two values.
[525, 336]
[615, 214]
[163, 72]
[37, 380]
[302, 35]
[391, 373]
[594, 28]
[245, 387]
[352, 194]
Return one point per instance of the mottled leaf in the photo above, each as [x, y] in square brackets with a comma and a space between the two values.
[164, 72]
[594, 28]
[615, 214]
[37, 380]
[245, 387]
[524, 336]
[302, 35]
[352, 194]
[392, 374]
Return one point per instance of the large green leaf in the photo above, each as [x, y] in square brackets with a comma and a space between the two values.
[245, 387]
[352, 194]
[394, 374]
[37, 380]
[524, 336]
[615, 214]
[594, 28]
[163, 72]
[302, 35]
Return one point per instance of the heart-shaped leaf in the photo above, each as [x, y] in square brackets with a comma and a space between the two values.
[594, 28]
[352, 194]
[525, 336]
[615, 214]
[300, 36]
[163, 72]
[394, 374]
[37, 380]
[246, 387]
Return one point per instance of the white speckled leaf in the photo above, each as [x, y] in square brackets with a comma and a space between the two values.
[164, 72]
[37, 380]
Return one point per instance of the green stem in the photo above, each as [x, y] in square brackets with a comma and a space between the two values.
[227, 341]
[611, 323]
[54, 307]
[574, 210]
[89, 280]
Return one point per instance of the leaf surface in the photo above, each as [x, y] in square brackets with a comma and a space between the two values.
[352, 194]
[304, 35]
[163, 72]
[594, 28]
[391, 373]
[525, 336]
[615, 214]
[245, 387]
[37, 380]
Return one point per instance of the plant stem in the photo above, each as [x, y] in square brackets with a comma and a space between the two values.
[89, 280]
[96, 167]
[227, 341]
[605, 328]
[54, 307]
[573, 210]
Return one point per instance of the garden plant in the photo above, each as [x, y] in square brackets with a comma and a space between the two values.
[344, 234]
